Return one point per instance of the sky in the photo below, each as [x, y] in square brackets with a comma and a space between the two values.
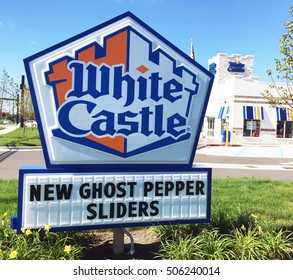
[244, 27]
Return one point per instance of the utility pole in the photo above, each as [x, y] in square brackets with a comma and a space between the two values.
[17, 108]
[22, 85]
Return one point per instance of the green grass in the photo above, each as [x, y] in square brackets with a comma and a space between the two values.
[8, 196]
[30, 245]
[21, 137]
[268, 203]
[250, 219]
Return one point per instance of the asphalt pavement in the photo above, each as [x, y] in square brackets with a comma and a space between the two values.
[272, 162]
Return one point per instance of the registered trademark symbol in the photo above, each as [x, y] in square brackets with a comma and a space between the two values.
[188, 129]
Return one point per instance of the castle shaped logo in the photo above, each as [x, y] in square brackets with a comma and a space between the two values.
[118, 94]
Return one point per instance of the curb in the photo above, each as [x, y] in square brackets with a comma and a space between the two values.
[21, 148]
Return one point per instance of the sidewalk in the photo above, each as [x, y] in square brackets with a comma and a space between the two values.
[8, 128]
[217, 149]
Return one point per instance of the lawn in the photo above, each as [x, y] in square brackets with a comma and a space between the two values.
[8, 196]
[21, 137]
[250, 219]
[270, 201]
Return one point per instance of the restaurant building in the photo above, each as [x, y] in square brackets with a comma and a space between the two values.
[236, 103]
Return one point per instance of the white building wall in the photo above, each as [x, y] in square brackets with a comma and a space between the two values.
[238, 89]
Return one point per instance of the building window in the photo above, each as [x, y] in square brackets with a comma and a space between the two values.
[211, 126]
[284, 129]
[251, 128]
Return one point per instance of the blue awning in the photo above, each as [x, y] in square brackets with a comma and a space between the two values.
[224, 112]
[284, 114]
[253, 113]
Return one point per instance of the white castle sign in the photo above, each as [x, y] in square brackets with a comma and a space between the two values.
[116, 99]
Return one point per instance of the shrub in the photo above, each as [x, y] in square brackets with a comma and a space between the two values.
[180, 248]
[244, 243]
[36, 245]
[248, 245]
[279, 244]
[215, 246]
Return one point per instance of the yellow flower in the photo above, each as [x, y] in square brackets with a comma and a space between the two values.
[47, 227]
[22, 230]
[13, 254]
[67, 249]
[28, 232]
[5, 214]
[253, 216]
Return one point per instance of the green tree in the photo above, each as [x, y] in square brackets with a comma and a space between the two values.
[8, 93]
[282, 95]
[28, 105]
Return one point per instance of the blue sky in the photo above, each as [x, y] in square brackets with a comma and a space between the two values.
[216, 26]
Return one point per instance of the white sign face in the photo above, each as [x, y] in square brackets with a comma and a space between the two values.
[92, 200]
[118, 94]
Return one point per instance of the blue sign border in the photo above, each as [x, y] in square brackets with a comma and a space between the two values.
[16, 221]
[104, 166]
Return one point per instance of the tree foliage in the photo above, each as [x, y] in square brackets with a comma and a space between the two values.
[12, 102]
[8, 92]
[28, 110]
[282, 94]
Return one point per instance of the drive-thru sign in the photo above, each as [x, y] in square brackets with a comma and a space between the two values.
[119, 110]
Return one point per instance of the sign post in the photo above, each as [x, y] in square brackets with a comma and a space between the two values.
[120, 111]
[118, 241]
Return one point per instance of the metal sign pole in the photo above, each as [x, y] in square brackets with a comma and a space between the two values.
[22, 85]
[118, 241]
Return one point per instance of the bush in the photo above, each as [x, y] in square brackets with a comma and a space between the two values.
[182, 248]
[215, 246]
[36, 245]
[248, 245]
[251, 243]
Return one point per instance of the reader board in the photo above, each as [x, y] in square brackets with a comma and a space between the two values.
[80, 201]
